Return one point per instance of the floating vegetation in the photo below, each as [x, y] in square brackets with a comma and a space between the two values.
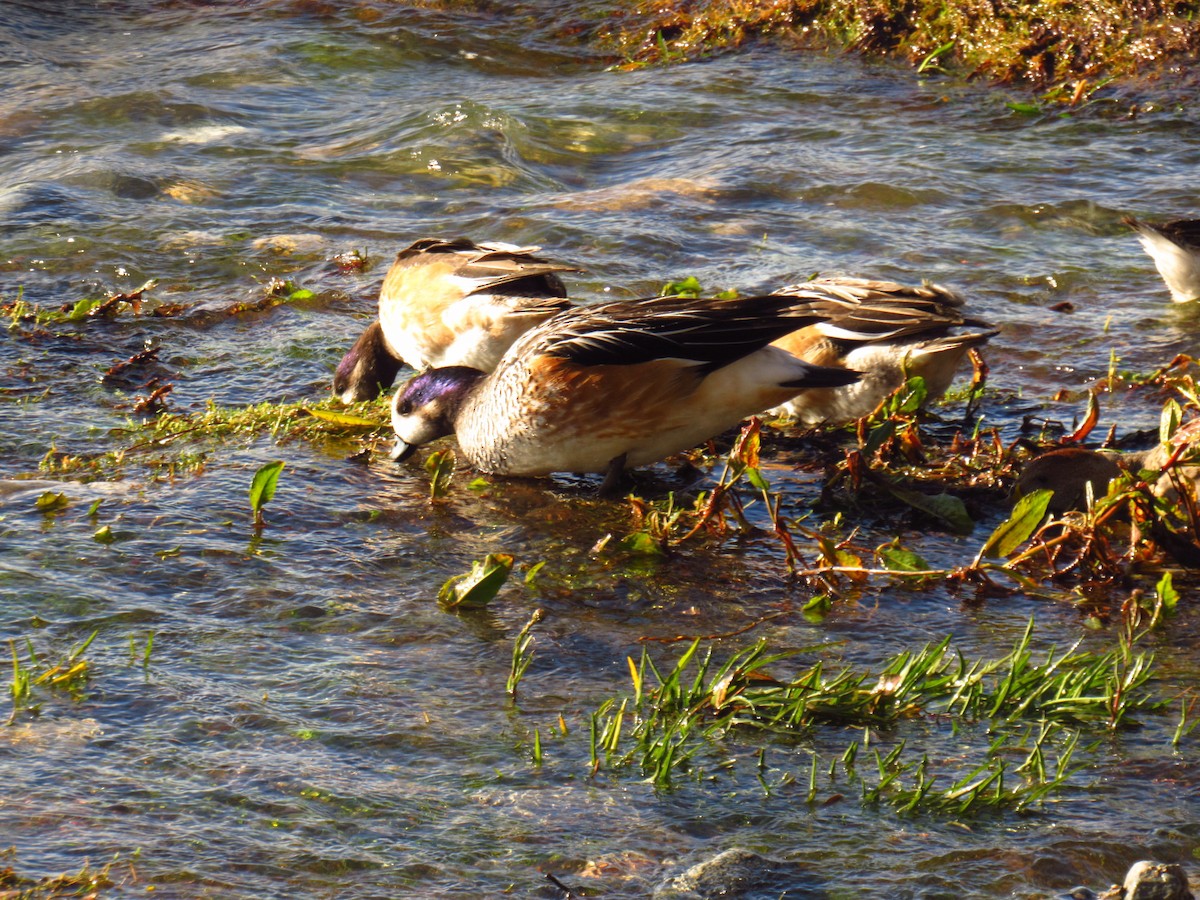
[175, 441]
[89, 881]
[477, 588]
[21, 312]
[33, 319]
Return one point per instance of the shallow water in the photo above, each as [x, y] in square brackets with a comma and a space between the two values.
[311, 723]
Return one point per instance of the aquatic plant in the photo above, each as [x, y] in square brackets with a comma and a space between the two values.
[89, 881]
[1065, 50]
[262, 489]
[181, 441]
[697, 702]
[440, 466]
[68, 676]
[661, 524]
[477, 588]
[21, 312]
[145, 653]
[522, 656]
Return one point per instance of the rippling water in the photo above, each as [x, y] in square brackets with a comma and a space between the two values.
[311, 723]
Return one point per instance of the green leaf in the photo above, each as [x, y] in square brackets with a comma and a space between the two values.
[1167, 595]
[477, 588]
[930, 61]
[641, 542]
[82, 308]
[877, 436]
[1026, 516]
[951, 510]
[688, 287]
[1026, 109]
[946, 508]
[343, 420]
[262, 488]
[531, 575]
[912, 398]
[104, 535]
[755, 476]
[440, 466]
[301, 294]
[897, 559]
[817, 608]
[50, 502]
[1168, 422]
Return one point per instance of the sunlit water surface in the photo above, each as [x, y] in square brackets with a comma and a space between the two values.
[310, 722]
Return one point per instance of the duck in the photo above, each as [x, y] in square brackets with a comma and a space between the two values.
[1073, 474]
[1077, 476]
[607, 388]
[889, 332]
[1175, 248]
[450, 302]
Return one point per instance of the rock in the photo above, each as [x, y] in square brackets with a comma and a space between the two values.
[740, 873]
[1148, 880]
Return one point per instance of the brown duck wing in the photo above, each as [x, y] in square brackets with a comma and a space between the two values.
[488, 267]
[885, 310]
[712, 333]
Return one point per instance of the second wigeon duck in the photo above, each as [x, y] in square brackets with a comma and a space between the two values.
[1073, 474]
[450, 303]
[889, 332]
[606, 388]
[1175, 249]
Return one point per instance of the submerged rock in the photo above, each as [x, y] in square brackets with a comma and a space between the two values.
[740, 873]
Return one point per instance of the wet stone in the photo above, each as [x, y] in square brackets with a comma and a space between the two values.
[1148, 880]
[740, 873]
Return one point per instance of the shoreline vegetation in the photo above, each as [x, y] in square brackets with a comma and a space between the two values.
[1062, 48]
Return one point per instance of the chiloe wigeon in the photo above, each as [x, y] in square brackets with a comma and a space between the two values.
[450, 303]
[1072, 473]
[1068, 471]
[889, 332]
[607, 388]
[1175, 249]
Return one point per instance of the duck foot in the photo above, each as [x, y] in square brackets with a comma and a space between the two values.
[616, 480]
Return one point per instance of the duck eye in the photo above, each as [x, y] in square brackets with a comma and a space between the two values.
[404, 407]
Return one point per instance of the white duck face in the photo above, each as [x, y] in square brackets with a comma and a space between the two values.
[425, 408]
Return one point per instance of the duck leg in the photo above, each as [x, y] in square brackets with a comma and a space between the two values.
[614, 479]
